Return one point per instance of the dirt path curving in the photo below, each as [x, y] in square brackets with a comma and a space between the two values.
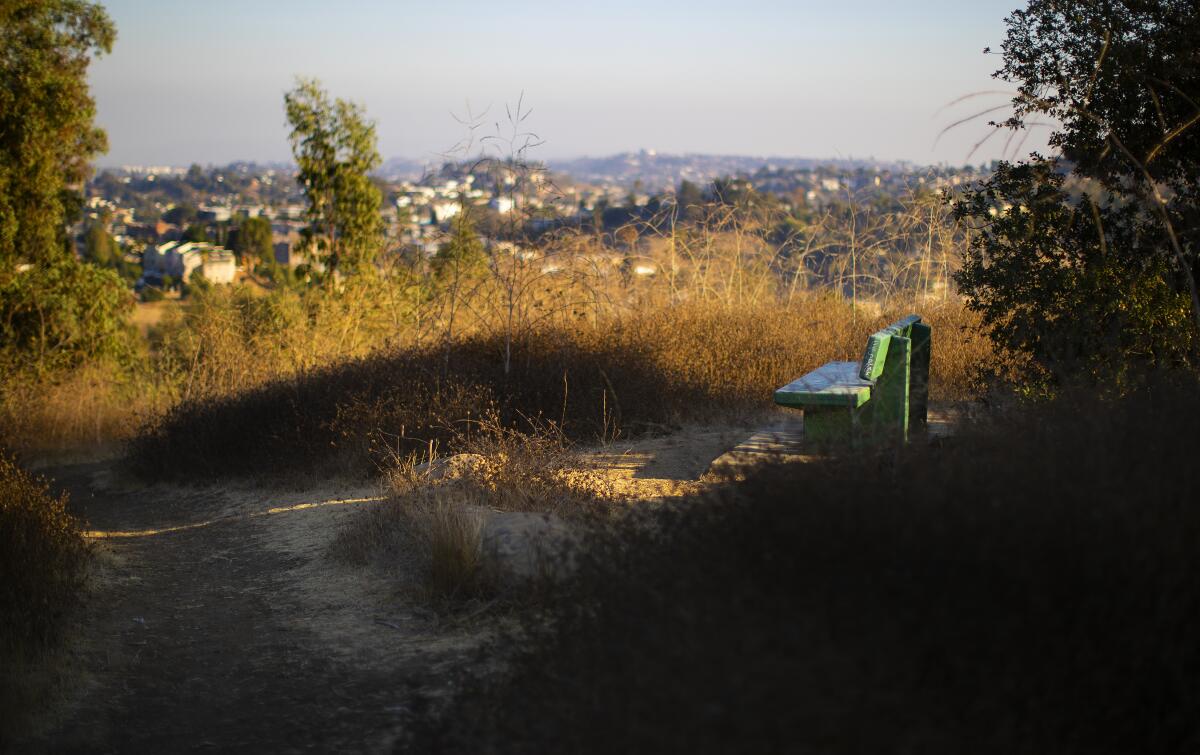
[219, 624]
[235, 633]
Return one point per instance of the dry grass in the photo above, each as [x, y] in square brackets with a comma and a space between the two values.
[647, 371]
[455, 534]
[429, 540]
[94, 407]
[430, 534]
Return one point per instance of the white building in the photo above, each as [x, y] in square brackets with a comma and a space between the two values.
[181, 259]
[445, 210]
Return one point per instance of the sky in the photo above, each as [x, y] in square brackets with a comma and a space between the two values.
[203, 82]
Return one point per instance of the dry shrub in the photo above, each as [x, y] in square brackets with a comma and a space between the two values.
[43, 565]
[455, 549]
[523, 468]
[96, 405]
[1028, 586]
[43, 561]
[647, 371]
[429, 538]
[433, 524]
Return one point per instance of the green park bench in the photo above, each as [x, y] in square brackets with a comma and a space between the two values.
[876, 398]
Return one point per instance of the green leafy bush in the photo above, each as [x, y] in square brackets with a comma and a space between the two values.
[1095, 277]
[1082, 288]
[59, 314]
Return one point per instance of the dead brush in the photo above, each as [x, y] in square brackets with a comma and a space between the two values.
[648, 371]
[524, 469]
[44, 563]
[431, 532]
[427, 537]
[455, 535]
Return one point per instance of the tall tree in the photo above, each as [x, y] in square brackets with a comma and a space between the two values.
[253, 240]
[47, 135]
[1091, 260]
[335, 148]
[196, 232]
[99, 248]
[58, 311]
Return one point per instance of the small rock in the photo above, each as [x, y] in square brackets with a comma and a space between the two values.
[522, 546]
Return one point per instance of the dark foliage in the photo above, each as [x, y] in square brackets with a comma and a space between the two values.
[357, 414]
[1082, 288]
[1121, 81]
[1029, 586]
[42, 562]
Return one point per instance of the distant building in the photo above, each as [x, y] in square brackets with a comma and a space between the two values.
[213, 214]
[181, 260]
[443, 211]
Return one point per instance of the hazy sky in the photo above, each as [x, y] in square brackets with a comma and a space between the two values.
[192, 81]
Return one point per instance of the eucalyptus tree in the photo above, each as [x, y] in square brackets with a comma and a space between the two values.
[334, 145]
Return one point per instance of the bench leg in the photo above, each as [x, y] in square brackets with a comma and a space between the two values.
[922, 348]
[829, 425]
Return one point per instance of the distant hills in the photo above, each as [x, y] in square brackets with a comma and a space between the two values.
[655, 171]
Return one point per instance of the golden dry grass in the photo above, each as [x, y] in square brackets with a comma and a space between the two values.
[648, 370]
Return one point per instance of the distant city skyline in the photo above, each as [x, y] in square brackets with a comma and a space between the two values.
[204, 83]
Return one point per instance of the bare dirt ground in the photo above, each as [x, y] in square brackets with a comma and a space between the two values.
[218, 623]
[237, 635]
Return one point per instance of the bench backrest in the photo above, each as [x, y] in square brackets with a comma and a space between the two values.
[897, 361]
[877, 346]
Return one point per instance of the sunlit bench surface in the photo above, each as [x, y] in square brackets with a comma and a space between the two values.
[832, 384]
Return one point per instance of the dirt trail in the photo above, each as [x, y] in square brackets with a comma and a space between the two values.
[238, 635]
[219, 624]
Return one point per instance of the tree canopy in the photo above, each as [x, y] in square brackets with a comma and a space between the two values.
[47, 135]
[335, 149]
[253, 240]
[1088, 261]
[1122, 78]
[55, 311]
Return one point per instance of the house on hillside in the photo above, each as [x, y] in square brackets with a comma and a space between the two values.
[180, 260]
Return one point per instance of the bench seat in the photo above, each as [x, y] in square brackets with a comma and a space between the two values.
[833, 384]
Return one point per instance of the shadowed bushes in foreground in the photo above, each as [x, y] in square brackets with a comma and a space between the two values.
[42, 561]
[43, 564]
[1029, 586]
[642, 372]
